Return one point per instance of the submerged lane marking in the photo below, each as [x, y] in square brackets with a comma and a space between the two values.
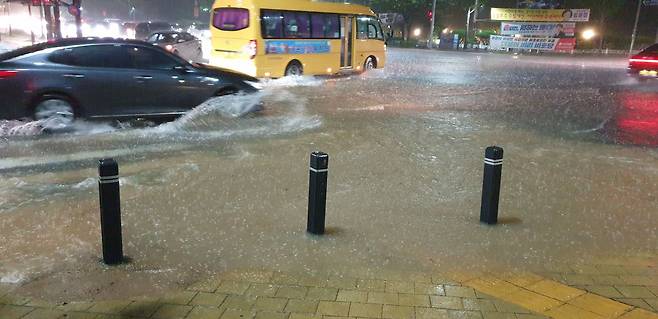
[21, 162]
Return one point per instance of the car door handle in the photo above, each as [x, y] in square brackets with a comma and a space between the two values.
[143, 77]
[74, 76]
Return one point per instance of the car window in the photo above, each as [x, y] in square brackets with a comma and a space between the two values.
[154, 37]
[146, 58]
[188, 37]
[652, 49]
[22, 51]
[142, 28]
[160, 26]
[169, 38]
[93, 56]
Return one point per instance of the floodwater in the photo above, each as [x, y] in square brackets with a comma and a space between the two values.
[218, 190]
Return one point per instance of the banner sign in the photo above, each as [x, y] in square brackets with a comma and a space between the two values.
[539, 4]
[296, 47]
[544, 15]
[497, 42]
[539, 29]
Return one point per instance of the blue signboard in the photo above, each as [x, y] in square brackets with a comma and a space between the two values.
[296, 46]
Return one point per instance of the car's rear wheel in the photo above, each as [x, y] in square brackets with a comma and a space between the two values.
[55, 108]
[294, 68]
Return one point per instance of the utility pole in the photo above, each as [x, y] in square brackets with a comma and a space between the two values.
[475, 21]
[48, 15]
[637, 20]
[8, 10]
[57, 21]
[469, 11]
[77, 4]
[29, 10]
[41, 9]
[430, 43]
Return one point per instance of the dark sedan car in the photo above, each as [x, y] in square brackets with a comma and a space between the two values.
[107, 78]
[144, 29]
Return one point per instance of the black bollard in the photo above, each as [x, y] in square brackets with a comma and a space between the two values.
[110, 203]
[493, 167]
[317, 192]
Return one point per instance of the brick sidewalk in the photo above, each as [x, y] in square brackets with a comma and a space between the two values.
[623, 288]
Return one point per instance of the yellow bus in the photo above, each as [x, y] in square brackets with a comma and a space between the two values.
[275, 38]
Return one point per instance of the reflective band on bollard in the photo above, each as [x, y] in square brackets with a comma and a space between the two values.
[110, 206]
[493, 167]
[317, 192]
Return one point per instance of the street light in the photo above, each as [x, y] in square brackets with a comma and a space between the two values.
[588, 34]
[417, 32]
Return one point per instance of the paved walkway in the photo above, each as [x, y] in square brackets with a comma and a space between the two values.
[625, 288]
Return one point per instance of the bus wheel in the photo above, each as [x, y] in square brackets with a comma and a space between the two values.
[294, 69]
[369, 64]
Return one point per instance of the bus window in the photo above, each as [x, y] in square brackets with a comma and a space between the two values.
[272, 24]
[378, 26]
[362, 28]
[296, 25]
[369, 28]
[372, 31]
[325, 26]
[231, 19]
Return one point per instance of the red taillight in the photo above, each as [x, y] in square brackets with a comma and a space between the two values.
[7, 74]
[644, 59]
[252, 49]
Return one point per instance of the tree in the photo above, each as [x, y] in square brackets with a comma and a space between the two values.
[602, 9]
[415, 11]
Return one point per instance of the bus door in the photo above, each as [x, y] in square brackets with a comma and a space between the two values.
[347, 42]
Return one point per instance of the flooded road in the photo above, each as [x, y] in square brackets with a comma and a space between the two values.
[213, 191]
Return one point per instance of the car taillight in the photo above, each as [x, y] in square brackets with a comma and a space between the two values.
[4, 74]
[644, 59]
[252, 49]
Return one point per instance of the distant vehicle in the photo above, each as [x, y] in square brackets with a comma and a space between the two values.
[144, 29]
[645, 63]
[266, 38]
[128, 29]
[181, 43]
[107, 79]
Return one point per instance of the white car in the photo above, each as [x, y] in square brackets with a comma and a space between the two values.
[182, 44]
